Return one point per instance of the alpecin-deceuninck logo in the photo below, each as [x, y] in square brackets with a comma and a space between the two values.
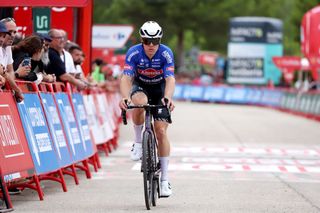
[150, 72]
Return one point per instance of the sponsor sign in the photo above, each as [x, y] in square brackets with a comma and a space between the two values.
[37, 133]
[41, 20]
[246, 70]
[110, 36]
[57, 133]
[16, 161]
[150, 72]
[70, 126]
[255, 29]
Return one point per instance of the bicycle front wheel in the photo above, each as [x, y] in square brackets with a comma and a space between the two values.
[147, 168]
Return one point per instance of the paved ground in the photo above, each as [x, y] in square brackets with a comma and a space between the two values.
[224, 159]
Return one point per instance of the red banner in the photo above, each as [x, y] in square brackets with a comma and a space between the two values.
[16, 161]
[63, 18]
[45, 3]
[291, 63]
[23, 17]
[310, 32]
[208, 58]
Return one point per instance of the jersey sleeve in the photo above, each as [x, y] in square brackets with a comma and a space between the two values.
[168, 64]
[129, 67]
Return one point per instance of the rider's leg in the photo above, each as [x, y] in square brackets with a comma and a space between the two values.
[138, 98]
[164, 152]
[164, 147]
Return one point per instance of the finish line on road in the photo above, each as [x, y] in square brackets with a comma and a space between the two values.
[244, 159]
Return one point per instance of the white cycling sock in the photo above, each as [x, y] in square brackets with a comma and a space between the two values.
[164, 162]
[138, 133]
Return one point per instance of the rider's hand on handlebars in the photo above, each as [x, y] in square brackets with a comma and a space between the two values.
[170, 104]
[123, 104]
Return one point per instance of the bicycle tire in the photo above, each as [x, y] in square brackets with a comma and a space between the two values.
[155, 180]
[146, 168]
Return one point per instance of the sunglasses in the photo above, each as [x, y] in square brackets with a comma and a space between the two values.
[148, 41]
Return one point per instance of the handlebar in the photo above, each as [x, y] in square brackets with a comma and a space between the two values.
[146, 107]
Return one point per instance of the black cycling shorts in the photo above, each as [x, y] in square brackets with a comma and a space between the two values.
[155, 94]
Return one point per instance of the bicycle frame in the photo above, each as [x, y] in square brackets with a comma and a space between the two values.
[150, 165]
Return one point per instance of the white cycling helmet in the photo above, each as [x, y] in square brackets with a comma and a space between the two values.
[150, 29]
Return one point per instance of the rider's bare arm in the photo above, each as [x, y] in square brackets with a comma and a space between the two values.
[125, 86]
[170, 85]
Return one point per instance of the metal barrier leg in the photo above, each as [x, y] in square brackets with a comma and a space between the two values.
[5, 196]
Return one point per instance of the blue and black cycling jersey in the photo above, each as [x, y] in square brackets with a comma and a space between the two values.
[148, 71]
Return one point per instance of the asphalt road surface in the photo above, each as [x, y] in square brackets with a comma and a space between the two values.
[225, 158]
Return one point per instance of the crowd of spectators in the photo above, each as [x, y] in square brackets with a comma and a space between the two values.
[42, 57]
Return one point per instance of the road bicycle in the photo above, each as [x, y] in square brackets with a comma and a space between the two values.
[150, 165]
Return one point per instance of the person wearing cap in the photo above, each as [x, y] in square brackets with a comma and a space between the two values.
[46, 43]
[7, 57]
[148, 77]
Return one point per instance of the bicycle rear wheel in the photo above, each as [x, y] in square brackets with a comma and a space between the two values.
[147, 168]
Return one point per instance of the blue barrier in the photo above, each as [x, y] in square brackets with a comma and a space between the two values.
[193, 93]
[37, 134]
[81, 118]
[237, 95]
[214, 94]
[56, 130]
[70, 126]
[306, 103]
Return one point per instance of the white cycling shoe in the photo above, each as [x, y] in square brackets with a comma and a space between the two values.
[136, 152]
[165, 189]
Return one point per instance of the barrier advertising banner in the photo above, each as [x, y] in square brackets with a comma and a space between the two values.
[15, 158]
[81, 118]
[70, 127]
[37, 133]
[56, 130]
[107, 123]
[93, 119]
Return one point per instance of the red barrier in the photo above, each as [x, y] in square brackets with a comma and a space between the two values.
[16, 161]
[14, 146]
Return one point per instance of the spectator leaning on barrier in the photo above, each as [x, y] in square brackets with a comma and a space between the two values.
[57, 65]
[3, 34]
[66, 56]
[31, 48]
[7, 57]
[77, 56]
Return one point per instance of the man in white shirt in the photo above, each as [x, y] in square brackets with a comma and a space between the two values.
[7, 57]
[3, 34]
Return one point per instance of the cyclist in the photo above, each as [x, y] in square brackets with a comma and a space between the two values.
[148, 77]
